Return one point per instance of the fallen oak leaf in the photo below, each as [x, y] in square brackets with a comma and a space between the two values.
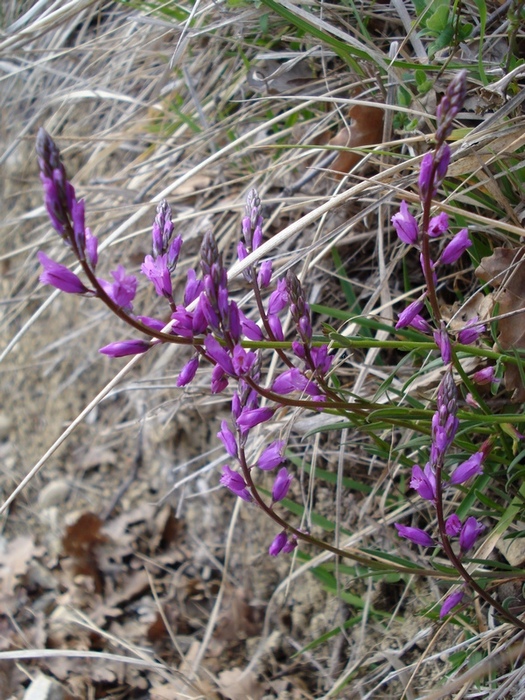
[80, 542]
[365, 129]
[15, 558]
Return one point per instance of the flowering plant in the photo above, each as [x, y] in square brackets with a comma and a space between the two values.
[209, 319]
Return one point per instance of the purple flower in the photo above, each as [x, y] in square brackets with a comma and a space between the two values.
[162, 229]
[54, 208]
[294, 380]
[471, 467]
[298, 349]
[91, 249]
[193, 287]
[123, 348]
[281, 484]
[278, 544]
[486, 375]
[272, 456]
[433, 169]
[304, 327]
[153, 323]
[59, 194]
[443, 342]
[122, 291]
[405, 225]
[470, 532]
[425, 174]
[188, 372]
[242, 252]
[227, 438]
[408, 315]
[174, 252]
[290, 545]
[450, 602]
[438, 225]
[414, 534]
[242, 360]
[264, 276]
[250, 417]
[250, 329]
[219, 380]
[79, 229]
[444, 421]
[420, 324]
[199, 321]
[275, 326]
[235, 482]
[278, 299]
[424, 482]
[453, 526]
[282, 543]
[455, 249]
[208, 312]
[233, 322]
[183, 322]
[442, 158]
[321, 359]
[59, 276]
[219, 354]
[471, 331]
[156, 270]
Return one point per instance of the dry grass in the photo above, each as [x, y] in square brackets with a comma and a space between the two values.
[146, 107]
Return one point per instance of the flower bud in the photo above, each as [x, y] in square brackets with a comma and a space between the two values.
[414, 534]
[466, 470]
[455, 249]
[450, 602]
[281, 484]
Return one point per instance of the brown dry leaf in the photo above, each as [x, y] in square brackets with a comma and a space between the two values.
[80, 543]
[505, 271]
[15, 557]
[235, 686]
[478, 307]
[366, 129]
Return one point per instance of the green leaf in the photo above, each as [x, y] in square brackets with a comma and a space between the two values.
[446, 38]
[465, 30]
[438, 21]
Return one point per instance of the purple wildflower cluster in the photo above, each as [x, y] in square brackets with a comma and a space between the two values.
[208, 319]
[430, 482]
[433, 169]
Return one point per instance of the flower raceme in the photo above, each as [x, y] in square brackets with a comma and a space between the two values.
[206, 316]
[425, 231]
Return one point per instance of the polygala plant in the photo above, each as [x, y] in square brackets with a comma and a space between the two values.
[236, 347]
